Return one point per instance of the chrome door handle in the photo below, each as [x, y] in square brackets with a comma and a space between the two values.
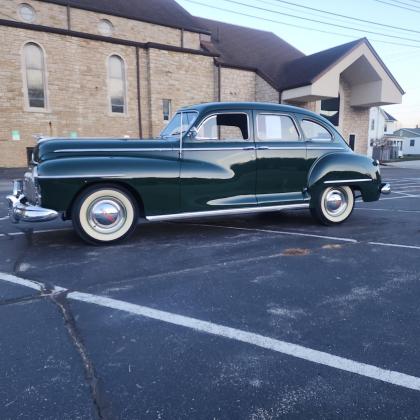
[249, 148]
[263, 148]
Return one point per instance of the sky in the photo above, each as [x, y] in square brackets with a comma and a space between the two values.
[402, 60]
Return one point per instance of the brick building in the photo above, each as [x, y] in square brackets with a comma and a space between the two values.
[118, 68]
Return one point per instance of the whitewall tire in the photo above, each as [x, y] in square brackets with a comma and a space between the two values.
[104, 214]
[334, 205]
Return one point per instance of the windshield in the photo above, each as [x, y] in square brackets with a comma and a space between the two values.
[174, 126]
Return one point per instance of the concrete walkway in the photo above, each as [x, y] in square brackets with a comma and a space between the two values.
[409, 164]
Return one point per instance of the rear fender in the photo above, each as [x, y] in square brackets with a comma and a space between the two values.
[358, 172]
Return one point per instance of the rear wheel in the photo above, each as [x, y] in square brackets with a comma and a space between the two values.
[334, 205]
[104, 214]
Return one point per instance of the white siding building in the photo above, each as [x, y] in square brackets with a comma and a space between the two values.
[410, 140]
[381, 124]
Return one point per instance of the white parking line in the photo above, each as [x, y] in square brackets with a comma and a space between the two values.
[279, 346]
[387, 210]
[334, 238]
[278, 232]
[394, 245]
[4, 218]
[5, 235]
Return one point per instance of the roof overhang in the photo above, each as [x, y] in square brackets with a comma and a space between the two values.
[370, 81]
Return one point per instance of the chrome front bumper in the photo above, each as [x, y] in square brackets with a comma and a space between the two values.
[21, 210]
[386, 188]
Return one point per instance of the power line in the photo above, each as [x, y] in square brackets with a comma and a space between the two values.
[347, 17]
[321, 22]
[405, 4]
[293, 25]
[396, 5]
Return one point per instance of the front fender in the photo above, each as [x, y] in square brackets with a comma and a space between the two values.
[357, 171]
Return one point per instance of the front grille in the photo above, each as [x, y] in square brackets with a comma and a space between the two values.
[30, 188]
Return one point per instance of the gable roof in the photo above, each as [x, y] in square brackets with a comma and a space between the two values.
[415, 131]
[160, 12]
[389, 117]
[249, 48]
[305, 70]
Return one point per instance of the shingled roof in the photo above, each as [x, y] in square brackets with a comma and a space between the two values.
[303, 71]
[388, 116]
[160, 12]
[243, 47]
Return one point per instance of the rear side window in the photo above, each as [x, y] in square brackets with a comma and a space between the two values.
[224, 127]
[315, 131]
[271, 127]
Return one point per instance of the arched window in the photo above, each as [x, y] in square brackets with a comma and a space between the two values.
[35, 76]
[117, 84]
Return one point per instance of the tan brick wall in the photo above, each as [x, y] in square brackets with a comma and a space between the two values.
[191, 40]
[264, 92]
[77, 92]
[47, 14]
[53, 15]
[353, 120]
[85, 21]
[237, 85]
[186, 79]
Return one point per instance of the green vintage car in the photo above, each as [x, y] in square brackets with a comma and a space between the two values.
[214, 159]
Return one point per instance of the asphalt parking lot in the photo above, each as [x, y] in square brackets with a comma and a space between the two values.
[251, 317]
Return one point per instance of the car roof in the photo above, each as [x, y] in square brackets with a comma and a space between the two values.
[258, 106]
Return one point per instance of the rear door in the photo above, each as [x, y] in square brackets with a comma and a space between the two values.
[281, 159]
[218, 168]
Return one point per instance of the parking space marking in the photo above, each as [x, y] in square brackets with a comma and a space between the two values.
[278, 232]
[394, 245]
[4, 218]
[279, 346]
[355, 241]
[388, 210]
[5, 235]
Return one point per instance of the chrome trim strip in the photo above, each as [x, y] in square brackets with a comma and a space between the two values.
[324, 148]
[115, 150]
[340, 181]
[280, 148]
[217, 149]
[245, 210]
[82, 176]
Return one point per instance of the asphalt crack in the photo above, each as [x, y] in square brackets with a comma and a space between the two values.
[16, 301]
[102, 409]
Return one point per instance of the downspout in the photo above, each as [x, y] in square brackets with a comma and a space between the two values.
[219, 82]
[68, 16]
[138, 92]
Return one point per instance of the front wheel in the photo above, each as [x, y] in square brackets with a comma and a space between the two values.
[104, 214]
[333, 206]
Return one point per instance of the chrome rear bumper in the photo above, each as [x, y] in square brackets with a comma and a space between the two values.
[21, 210]
[386, 188]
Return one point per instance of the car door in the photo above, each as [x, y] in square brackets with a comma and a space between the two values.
[218, 163]
[281, 159]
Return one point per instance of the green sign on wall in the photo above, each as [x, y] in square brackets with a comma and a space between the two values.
[15, 135]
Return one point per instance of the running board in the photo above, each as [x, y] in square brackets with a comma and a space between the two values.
[246, 210]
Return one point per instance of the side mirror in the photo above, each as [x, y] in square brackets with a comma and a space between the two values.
[192, 134]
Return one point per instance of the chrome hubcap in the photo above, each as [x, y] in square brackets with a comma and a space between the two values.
[106, 215]
[335, 202]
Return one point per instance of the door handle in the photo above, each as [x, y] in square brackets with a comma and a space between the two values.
[263, 148]
[249, 148]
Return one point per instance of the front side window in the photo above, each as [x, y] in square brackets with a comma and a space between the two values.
[271, 127]
[179, 124]
[35, 76]
[315, 131]
[117, 84]
[230, 126]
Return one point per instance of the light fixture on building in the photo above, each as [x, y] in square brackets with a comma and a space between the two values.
[26, 12]
[105, 27]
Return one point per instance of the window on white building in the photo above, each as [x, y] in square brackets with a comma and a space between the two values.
[117, 84]
[412, 143]
[35, 80]
[372, 124]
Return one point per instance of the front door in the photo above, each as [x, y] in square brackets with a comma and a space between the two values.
[218, 167]
[281, 159]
